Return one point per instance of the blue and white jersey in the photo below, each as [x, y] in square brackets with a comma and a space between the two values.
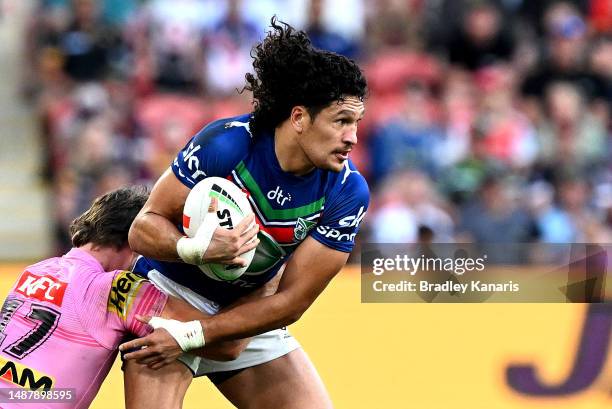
[326, 205]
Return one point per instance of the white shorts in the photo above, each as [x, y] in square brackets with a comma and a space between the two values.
[262, 348]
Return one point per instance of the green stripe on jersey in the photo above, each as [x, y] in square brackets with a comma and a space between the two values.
[264, 206]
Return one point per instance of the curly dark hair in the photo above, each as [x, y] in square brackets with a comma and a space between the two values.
[107, 222]
[289, 72]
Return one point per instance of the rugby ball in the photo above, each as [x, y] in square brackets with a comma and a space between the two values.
[233, 206]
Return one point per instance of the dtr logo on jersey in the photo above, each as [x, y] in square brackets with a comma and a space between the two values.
[278, 195]
[43, 288]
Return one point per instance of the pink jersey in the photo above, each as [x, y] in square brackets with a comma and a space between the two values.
[62, 322]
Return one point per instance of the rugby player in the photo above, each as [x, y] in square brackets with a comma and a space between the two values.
[291, 155]
[65, 316]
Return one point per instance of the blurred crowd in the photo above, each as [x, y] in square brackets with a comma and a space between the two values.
[487, 121]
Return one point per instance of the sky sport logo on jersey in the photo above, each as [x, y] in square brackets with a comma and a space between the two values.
[353, 221]
[332, 233]
[42, 288]
[346, 222]
[193, 163]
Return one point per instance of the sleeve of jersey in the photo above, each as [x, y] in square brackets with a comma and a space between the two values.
[343, 214]
[214, 151]
[133, 295]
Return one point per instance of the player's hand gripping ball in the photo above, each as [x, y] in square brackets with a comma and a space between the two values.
[232, 206]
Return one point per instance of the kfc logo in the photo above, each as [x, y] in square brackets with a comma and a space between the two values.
[43, 288]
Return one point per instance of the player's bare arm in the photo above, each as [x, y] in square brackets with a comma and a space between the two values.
[308, 272]
[154, 233]
[296, 292]
[220, 351]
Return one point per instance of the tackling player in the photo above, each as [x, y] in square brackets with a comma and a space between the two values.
[291, 156]
[63, 319]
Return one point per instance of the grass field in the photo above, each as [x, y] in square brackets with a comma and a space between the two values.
[453, 356]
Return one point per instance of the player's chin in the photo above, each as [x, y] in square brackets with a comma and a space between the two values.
[334, 167]
[335, 164]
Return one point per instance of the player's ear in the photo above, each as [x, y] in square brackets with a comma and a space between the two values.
[299, 118]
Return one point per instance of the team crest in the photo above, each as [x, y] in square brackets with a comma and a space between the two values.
[302, 227]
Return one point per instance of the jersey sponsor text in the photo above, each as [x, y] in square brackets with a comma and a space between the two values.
[43, 288]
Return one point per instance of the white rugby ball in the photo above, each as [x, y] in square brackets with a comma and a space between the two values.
[233, 206]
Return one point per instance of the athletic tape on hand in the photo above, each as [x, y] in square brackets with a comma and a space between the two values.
[192, 249]
[189, 335]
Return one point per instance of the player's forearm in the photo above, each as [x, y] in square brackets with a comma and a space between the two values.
[254, 318]
[296, 292]
[176, 309]
[230, 350]
[154, 236]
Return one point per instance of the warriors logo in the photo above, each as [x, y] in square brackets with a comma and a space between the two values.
[302, 227]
